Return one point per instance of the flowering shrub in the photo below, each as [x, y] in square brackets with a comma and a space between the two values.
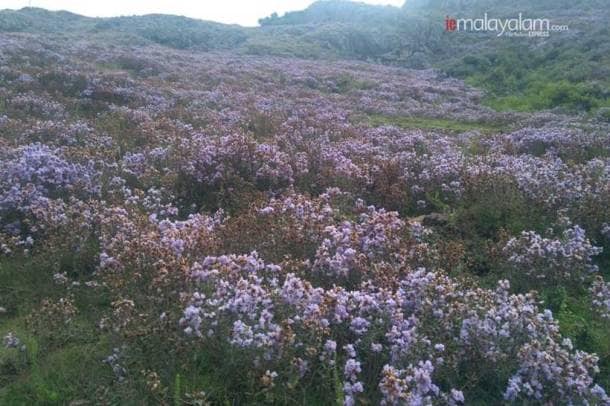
[565, 259]
[600, 293]
[544, 366]
[35, 172]
[258, 307]
[238, 229]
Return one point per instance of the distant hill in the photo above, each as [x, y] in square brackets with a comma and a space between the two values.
[172, 31]
[31, 19]
[337, 12]
[177, 32]
[568, 70]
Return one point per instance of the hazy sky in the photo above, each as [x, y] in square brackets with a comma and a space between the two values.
[244, 12]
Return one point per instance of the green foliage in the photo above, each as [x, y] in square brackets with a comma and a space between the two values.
[177, 389]
[54, 367]
[495, 206]
[490, 209]
[278, 43]
[586, 331]
[63, 375]
[434, 123]
[566, 76]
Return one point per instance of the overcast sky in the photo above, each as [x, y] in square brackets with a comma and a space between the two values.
[244, 12]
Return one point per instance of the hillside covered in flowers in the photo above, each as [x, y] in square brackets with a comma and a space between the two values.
[197, 227]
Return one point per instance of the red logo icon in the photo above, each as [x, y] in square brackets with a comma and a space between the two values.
[450, 24]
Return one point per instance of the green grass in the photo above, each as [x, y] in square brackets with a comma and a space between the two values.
[587, 332]
[59, 366]
[544, 96]
[567, 79]
[439, 124]
[57, 377]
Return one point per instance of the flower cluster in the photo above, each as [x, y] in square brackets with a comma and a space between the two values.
[600, 293]
[551, 373]
[568, 258]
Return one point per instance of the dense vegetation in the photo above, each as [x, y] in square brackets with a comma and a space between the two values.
[189, 214]
[568, 71]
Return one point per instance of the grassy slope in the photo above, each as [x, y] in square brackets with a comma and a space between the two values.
[435, 124]
[568, 71]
